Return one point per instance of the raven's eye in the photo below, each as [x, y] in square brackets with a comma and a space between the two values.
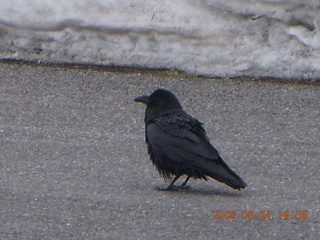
[154, 101]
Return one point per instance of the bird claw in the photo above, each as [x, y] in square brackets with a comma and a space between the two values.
[169, 188]
[184, 187]
[173, 188]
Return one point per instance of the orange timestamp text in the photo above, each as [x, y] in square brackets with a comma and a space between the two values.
[249, 214]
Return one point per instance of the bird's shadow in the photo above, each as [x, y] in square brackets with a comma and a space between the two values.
[198, 191]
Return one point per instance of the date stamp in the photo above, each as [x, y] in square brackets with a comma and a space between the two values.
[249, 214]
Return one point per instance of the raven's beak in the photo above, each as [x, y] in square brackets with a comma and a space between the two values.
[143, 99]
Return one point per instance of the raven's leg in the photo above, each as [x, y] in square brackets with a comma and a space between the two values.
[185, 182]
[171, 185]
[183, 185]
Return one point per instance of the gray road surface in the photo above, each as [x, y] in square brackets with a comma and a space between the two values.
[73, 163]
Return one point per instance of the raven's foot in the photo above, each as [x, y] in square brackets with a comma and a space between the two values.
[169, 188]
[173, 188]
[184, 187]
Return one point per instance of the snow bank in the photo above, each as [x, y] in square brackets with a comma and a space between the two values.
[275, 38]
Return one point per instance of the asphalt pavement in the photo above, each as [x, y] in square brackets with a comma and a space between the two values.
[74, 165]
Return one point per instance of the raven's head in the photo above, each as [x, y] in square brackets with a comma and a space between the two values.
[161, 101]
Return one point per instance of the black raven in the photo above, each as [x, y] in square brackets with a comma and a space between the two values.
[178, 144]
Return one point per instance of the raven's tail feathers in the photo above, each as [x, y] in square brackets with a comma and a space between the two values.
[221, 171]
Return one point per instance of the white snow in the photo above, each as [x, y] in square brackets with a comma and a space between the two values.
[261, 38]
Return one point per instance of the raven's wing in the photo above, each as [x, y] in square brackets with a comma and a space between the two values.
[182, 143]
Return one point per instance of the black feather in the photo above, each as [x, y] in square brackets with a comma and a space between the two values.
[178, 144]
